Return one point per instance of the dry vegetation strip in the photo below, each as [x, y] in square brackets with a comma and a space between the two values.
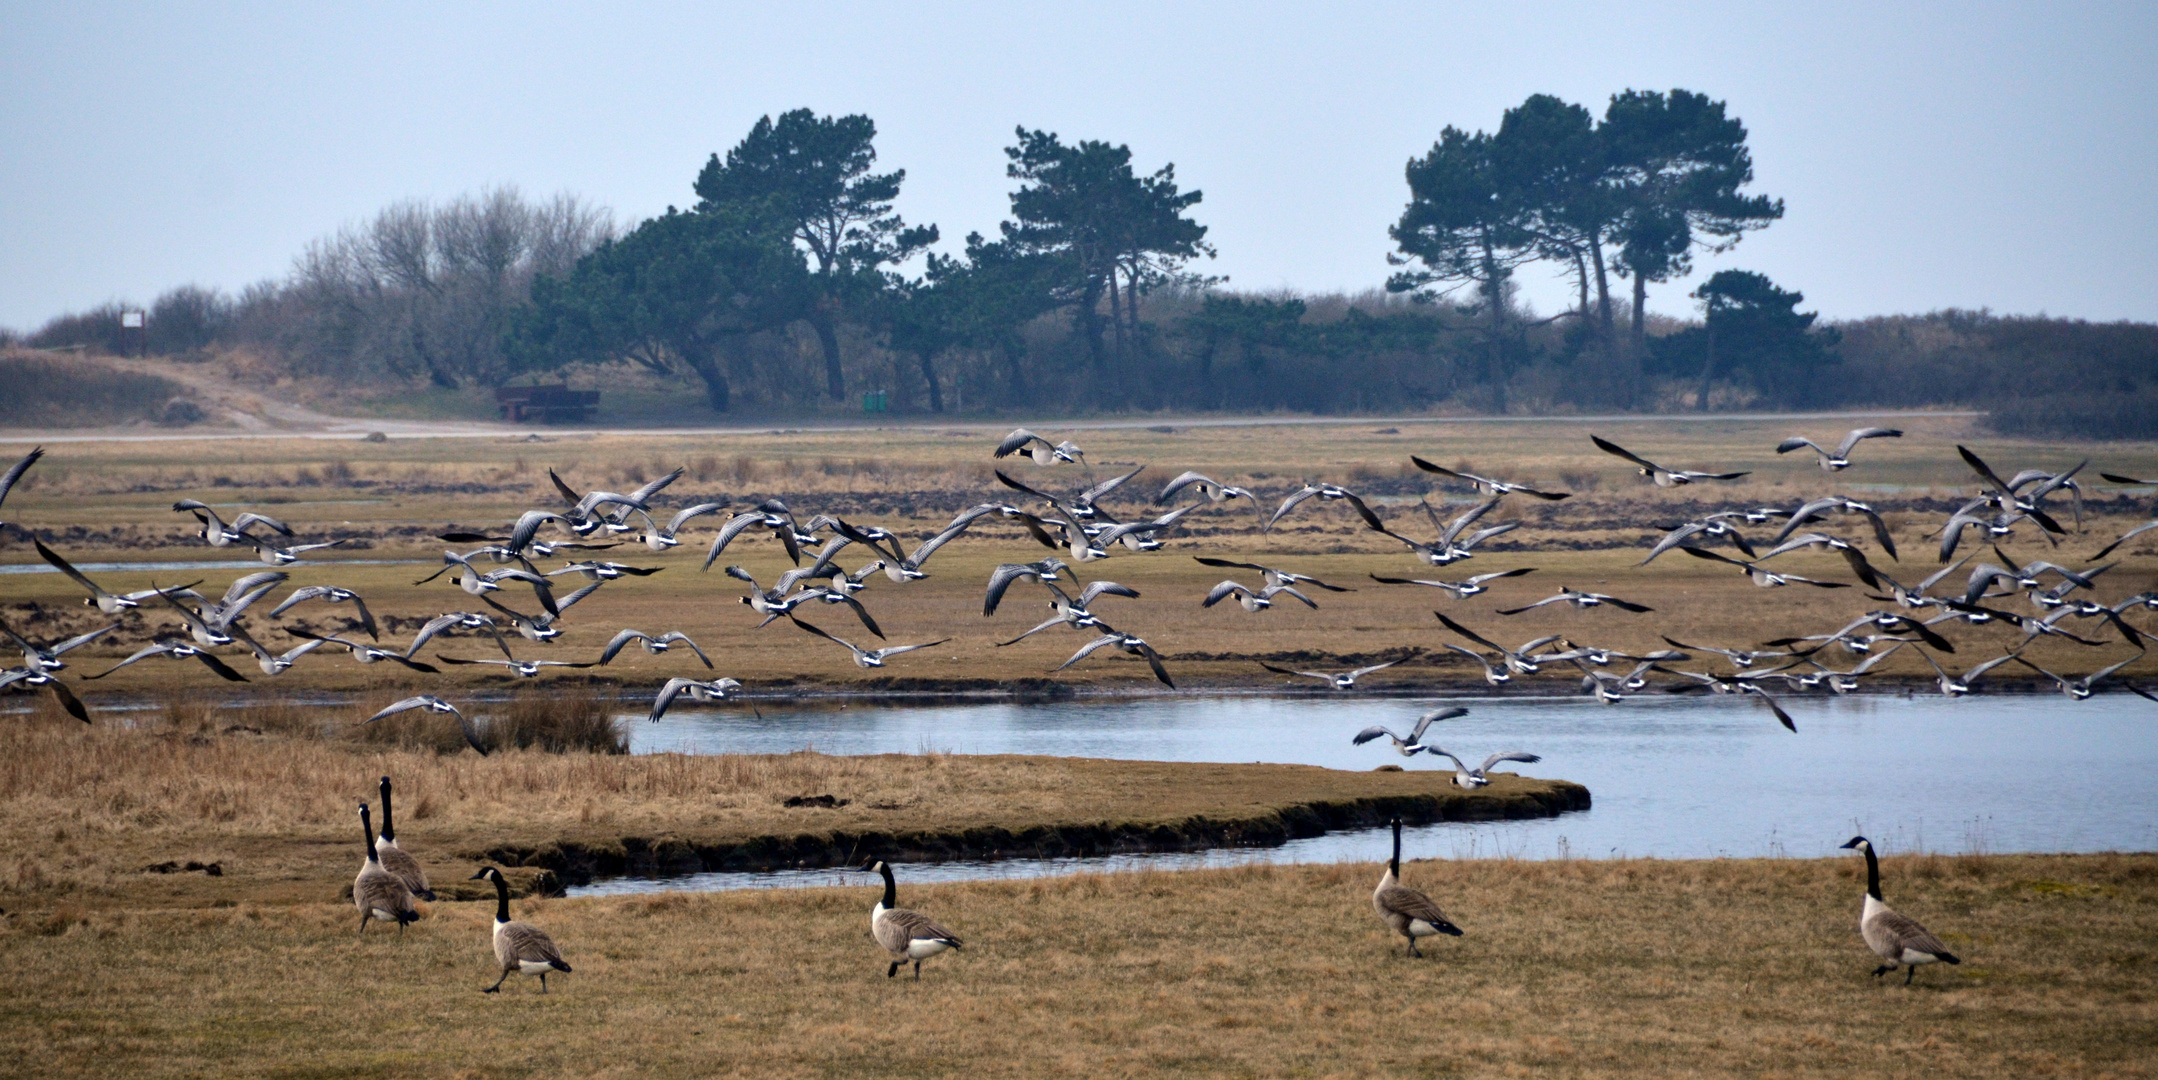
[1634, 968]
[84, 810]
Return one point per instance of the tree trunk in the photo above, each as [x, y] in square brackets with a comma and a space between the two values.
[835, 378]
[1581, 284]
[704, 360]
[1495, 299]
[1708, 367]
[929, 375]
[1116, 314]
[1603, 290]
[1640, 314]
[1090, 323]
[1131, 301]
[1015, 374]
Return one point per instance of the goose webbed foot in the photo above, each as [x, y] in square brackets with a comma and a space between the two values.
[893, 973]
[1883, 970]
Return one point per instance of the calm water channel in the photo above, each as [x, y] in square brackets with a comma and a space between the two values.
[1671, 777]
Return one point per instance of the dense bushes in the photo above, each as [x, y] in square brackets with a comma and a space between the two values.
[75, 391]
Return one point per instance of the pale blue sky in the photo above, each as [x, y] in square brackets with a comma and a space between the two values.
[1931, 156]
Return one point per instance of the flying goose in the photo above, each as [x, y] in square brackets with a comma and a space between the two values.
[1485, 483]
[2080, 689]
[520, 947]
[1450, 546]
[394, 858]
[178, 650]
[1916, 597]
[220, 534]
[523, 537]
[1954, 686]
[903, 567]
[1407, 911]
[366, 654]
[467, 620]
[1892, 936]
[660, 539]
[1740, 659]
[1141, 535]
[1340, 680]
[1129, 643]
[713, 690]
[1074, 613]
[594, 570]
[1817, 509]
[272, 554]
[1212, 490]
[334, 595]
[1517, 660]
[210, 624]
[1843, 682]
[1713, 526]
[1581, 600]
[275, 663]
[1044, 452]
[1001, 579]
[1080, 505]
[1477, 777]
[470, 579]
[1662, 476]
[26, 677]
[1841, 459]
[109, 603]
[377, 892]
[1325, 492]
[1767, 579]
[1888, 621]
[527, 668]
[823, 567]
[653, 645]
[1742, 684]
[47, 658]
[773, 603]
[1413, 743]
[1273, 576]
[1249, 599]
[2031, 627]
[2005, 495]
[907, 936]
[1865, 570]
[14, 473]
[585, 507]
[1462, 590]
[432, 703]
[1496, 676]
[867, 658]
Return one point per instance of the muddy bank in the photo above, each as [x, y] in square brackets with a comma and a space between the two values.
[578, 862]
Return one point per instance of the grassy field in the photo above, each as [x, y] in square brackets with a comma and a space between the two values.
[110, 501]
[1722, 968]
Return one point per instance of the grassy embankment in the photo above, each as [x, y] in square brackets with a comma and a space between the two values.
[1733, 967]
[111, 501]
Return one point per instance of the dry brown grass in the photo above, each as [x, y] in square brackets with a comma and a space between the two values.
[1632, 968]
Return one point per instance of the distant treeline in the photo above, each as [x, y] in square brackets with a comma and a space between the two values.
[781, 290]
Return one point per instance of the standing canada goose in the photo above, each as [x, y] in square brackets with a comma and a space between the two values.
[867, 658]
[908, 936]
[220, 534]
[1413, 743]
[33, 677]
[1462, 590]
[1339, 680]
[1044, 452]
[1273, 576]
[7, 482]
[1477, 777]
[1409, 912]
[334, 595]
[109, 603]
[1894, 937]
[377, 892]
[1485, 483]
[1841, 459]
[1325, 492]
[652, 644]
[47, 658]
[1451, 546]
[520, 947]
[714, 690]
[394, 859]
[178, 650]
[1662, 476]
[1579, 599]
[432, 703]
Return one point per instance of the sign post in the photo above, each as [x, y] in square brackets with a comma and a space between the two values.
[138, 320]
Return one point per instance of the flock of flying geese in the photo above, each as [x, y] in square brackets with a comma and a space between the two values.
[1079, 527]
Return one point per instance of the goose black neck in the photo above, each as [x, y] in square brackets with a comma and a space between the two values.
[1393, 864]
[502, 898]
[891, 888]
[389, 831]
[367, 833]
[1873, 873]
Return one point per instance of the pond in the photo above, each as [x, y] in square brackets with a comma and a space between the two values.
[1671, 777]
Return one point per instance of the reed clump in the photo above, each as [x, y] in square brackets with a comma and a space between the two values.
[561, 722]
